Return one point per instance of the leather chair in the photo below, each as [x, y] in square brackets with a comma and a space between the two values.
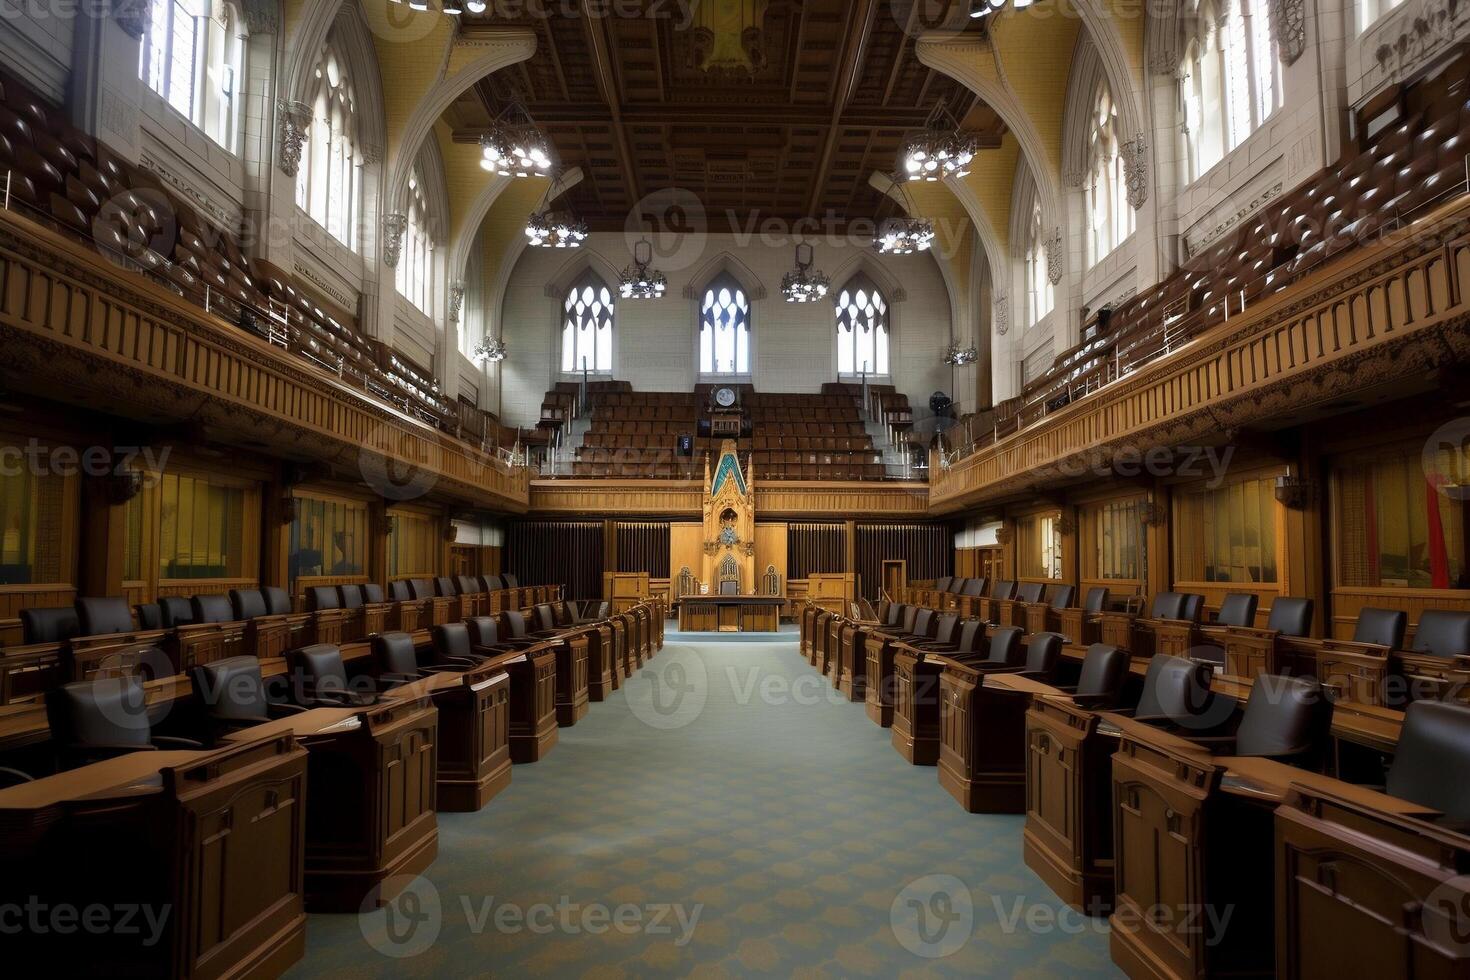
[1237, 609]
[1030, 591]
[1432, 764]
[350, 596]
[1062, 596]
[1175, 691]
[942, 583]
[212, 609]
[372, 592]
[511, 582]
[400, 591]
[1381, 627]
[1043, 656]
[176, 611]
[1285, 718]
[1290, 616]
[1168, 605]
[149, 615]
[1096, 601]
[967, 640]
[1442, 633]
[1100, 684]
[54, 624]
[398, 663]
[104, 616]
[277, 602]
[445, 586]
[322, 597]
[230, 694]
[101, 719]
[484, 632]
[1004, 652]
[460, 643]
[467, 585]
[594, 612]
[421, 588]
[247, 604]
[321, 679]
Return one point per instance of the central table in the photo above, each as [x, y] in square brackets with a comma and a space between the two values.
[730, 613]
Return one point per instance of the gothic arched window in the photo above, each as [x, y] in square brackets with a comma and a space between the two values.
[862, 328]
[724, 328]
[415, 261]
[194, 61]
[1109, 215]
[329, 181]
[1039, 293]
[1231, 80]
[587, 325]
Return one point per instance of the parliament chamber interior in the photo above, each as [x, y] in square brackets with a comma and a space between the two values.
[837, 488]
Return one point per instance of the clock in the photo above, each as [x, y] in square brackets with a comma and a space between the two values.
[725, 397]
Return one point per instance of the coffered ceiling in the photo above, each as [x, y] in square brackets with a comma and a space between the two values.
[831, 89]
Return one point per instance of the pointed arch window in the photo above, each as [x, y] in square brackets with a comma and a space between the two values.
[415, 262]
[1109, 215]
[329, 180]
[862, 328]
[724, 328]
[1039, 294]
[192, 55]
[587, 326]
[1231, 79]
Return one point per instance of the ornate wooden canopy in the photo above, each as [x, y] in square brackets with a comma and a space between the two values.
[786, 119]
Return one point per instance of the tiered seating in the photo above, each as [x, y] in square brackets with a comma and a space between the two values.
[62, 177]
[789, 437]
[1417, 162]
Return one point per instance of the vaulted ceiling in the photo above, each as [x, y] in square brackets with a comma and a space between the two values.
[833, 88]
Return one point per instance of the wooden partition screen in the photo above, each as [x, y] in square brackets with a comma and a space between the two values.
[812, 549]
[567, 553]
[643, 546]
[928, 549]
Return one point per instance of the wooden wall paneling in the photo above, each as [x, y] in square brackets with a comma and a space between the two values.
[686, 549]
[770, 549]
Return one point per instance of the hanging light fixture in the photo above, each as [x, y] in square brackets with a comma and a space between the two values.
[638, 280]
[959, 356]
[451, 7]
[984, 8]
[555, 229]
[802, 285]
[903, 235]
[514, 147]
[489, 349]
[940, 150]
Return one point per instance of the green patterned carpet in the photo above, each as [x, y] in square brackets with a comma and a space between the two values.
[724, 814]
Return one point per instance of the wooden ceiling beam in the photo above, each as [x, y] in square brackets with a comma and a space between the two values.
[859, 30]
[602, 66]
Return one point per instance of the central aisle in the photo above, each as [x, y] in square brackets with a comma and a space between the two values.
[725, 813]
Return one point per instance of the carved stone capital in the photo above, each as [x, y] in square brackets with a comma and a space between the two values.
[1289, 27]
[394, 225]
[132, 17]
[1053, 247]
[262, 17]
[1135, 170]
[295, 121]
[456, 299]
[1001, 311]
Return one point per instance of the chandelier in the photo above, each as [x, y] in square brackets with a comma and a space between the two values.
[904, 236]
[802, 285]
[514, 147]
[940, 150]
[489, 349]
[958, 355]
[638, 280]
[555, 229]
[451, 7]
[984, 8]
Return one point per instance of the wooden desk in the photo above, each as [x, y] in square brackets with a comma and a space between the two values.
[852, 659]
[982, 736]
[730, 613]
[473, 760]
[572, 691]
[532, 728]
[1068, 836]
[209, 842]
[370, 815]
[916, 706]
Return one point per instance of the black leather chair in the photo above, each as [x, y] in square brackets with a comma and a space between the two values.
[398, 663]
[104, 616]
[1104, 672]
[213, 609]
[1030, 591]
[942, 583]
[1003, 590]
[1062, 596]
[511, 582]
[1432, 764]
[400, 591]
[1004, 652]
[372, 592]
[968, 639]
[230, 694]
[445, 586]
[973, 587]
[919, 625]
[421, 588]
[1096, 601]
[1290, 616]
[1176, 691]
[1442, 633]
[247, 604]
[277, 602]
[467, 585]
[321, 597]
[459, 643]
[1238, 609]
[176, 610]
[101, 719]
[1167, 605]
[594, 612]
[1043, 656]
[320, 679]
[1381, 627]
[148, 615]
[517, 632]
[350, 596]
[51, 624]
[946, 630]
[1191, 608]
